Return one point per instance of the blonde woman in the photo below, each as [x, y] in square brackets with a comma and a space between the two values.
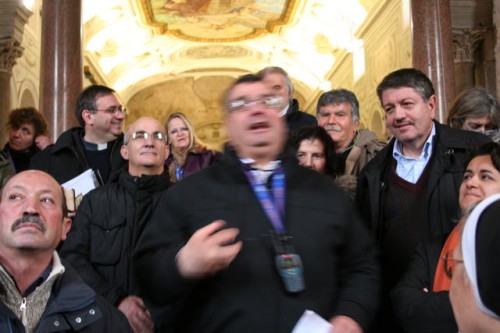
[187, 153]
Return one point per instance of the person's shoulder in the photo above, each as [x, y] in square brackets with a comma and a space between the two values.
[4, 157]
[65, 140]
[382, 157]
[370, 139]
[458, 138]
[307, 117]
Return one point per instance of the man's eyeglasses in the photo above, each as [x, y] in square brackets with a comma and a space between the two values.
[449, 264]
[270, 102]
[142, 135]
[114, 109]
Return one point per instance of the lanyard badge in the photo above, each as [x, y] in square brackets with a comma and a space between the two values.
[272, 200]
[288, 263]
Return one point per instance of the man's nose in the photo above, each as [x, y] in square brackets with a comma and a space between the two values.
[332, 119]
[119, 115]
[399, 112]
[30, 206]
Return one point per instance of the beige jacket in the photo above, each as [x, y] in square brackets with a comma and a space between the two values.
[366, 146]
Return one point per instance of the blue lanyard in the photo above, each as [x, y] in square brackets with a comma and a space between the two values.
[272, 201]
[178, 172]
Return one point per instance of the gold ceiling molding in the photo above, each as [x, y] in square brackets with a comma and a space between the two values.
[216, 51]
[216, 21]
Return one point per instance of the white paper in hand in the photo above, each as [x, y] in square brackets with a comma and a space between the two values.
[311, 322]
[81, 185]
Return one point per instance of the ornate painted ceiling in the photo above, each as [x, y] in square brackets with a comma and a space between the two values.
[137, 43]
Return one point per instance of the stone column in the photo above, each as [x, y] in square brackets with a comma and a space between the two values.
[61, 71]
[13, 17]
[489, 61]
[9, 51]
[432, 48]
[496, 22]
[465, 44]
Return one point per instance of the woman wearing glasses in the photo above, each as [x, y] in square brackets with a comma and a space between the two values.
[187, 153]
[421, 298]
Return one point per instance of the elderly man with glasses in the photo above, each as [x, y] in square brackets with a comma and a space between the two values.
[111, 218]
[95, 145]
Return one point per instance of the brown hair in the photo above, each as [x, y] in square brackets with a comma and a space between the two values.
[29, 115]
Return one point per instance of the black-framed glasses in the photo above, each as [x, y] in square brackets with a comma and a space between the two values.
[449, 263]
[270, 102]
[143, 135]
[113, 110]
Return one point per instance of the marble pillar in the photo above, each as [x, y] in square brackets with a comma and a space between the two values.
[489, 61]
[61, 71]
[9, 51]
[432, 48]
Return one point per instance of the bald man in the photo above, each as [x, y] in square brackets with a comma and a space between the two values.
[110, 219]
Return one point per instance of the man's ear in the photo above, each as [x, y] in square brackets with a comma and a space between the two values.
[66, 227]
[432, 103]
[87, 117]
[124, 152]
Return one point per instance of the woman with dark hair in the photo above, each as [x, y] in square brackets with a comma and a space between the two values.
[315, 149]
[187, 153]
[27, 129]
[421, 298]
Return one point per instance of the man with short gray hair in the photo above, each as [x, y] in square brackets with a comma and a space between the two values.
[281, 84]
[338, 113]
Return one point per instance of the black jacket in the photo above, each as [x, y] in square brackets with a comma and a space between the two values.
[451, 147]
[297, 119]
[338, 255]
[5, 168]
[105, 230]
[439, 194]
[419, 311]
[65, 159]
[72, 307]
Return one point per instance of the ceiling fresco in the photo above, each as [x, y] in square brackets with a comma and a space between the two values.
[133, 44]
[216, 20]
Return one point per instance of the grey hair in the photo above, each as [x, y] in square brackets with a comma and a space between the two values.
[338, 96]
[474, 103]
[278, 70]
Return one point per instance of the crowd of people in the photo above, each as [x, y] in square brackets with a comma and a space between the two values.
[299, 212]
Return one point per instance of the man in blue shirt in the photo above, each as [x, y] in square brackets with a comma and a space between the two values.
[409, 191]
